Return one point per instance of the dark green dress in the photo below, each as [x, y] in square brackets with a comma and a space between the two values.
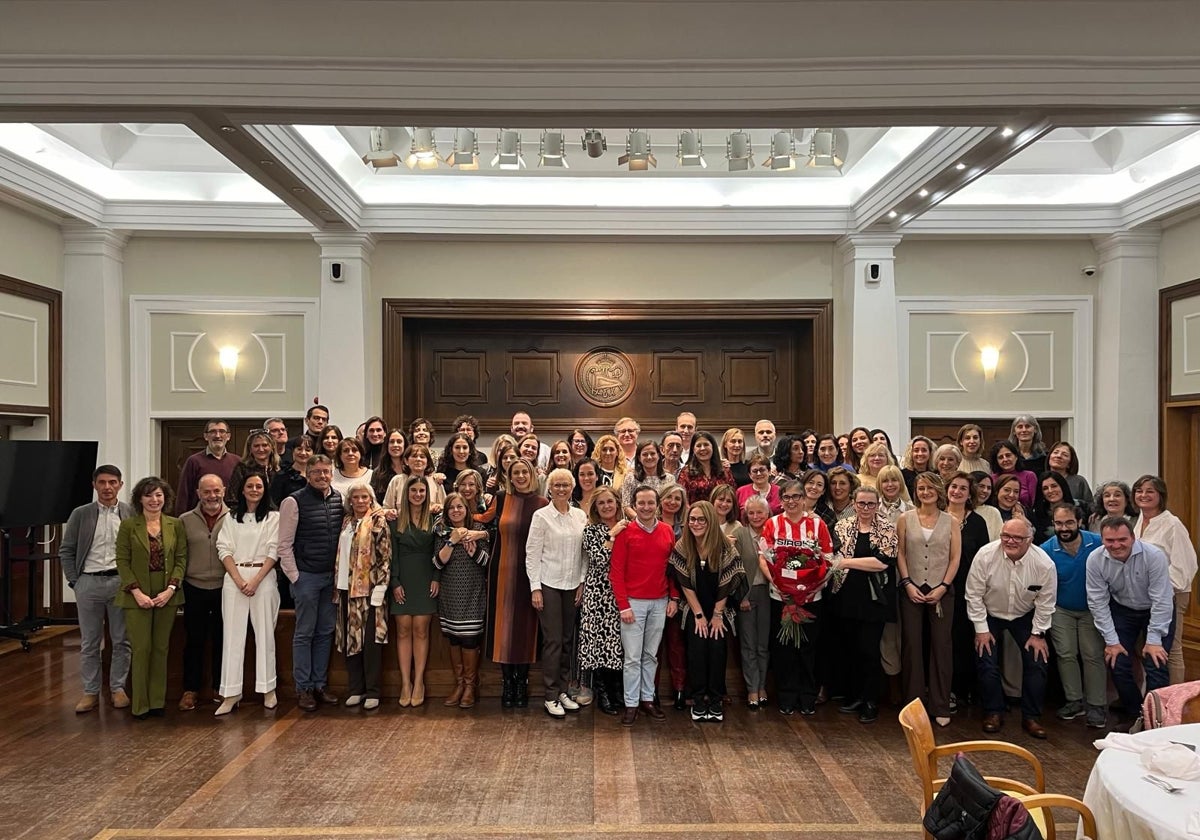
[412, 568]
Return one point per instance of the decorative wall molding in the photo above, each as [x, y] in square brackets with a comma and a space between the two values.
[193, 386]
[32, 380]
[1020, 336]
[1081, 310]
[261, 339]
[144, 439]
[950, 359]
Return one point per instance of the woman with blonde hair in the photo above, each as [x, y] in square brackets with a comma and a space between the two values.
[930, 545]
[709, 573]
[258, 455]
[874, 458]
[947, 461]
[415, 582]
[733, 450]
[607, 455]
[893, 494]
[364, 562]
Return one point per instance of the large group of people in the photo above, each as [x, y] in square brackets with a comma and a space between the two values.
[959, 573]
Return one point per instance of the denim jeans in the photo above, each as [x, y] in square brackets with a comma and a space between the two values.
[1033, 672]
[313, 639]
[1130, 624]
[640, 640]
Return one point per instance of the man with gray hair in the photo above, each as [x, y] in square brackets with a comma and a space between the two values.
[277, 429]
[1013, 587]
[1129, 593]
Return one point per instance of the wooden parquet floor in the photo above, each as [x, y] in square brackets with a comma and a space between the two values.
[433, 772]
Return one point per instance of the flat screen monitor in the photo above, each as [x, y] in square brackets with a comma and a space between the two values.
[42, 481]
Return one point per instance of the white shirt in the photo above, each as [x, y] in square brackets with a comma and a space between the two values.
[1169, 534]
[554, 550]
[250, 541]
[102, 556]
[342, 484]
[341, 578]
[1001, 588]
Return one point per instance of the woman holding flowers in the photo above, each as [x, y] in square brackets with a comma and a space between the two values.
[796, 552]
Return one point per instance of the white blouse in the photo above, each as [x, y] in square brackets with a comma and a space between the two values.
[250, 541]
[1169, 534]
[554, 549]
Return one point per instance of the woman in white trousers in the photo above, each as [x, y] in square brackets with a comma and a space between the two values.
[247, 545]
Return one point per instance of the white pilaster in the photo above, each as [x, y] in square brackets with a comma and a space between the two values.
[867, 376]
[94, 367]
[348, 366]
[1126, 393]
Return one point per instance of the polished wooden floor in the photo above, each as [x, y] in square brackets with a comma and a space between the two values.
[438, 773]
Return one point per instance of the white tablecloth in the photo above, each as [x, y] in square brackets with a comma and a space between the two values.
[1129, 808]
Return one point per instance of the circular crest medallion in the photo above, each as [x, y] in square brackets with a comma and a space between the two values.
[604, 377]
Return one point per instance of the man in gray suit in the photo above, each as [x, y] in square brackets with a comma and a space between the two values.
[89, 560]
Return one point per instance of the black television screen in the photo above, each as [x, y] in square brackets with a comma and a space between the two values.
[42, 481]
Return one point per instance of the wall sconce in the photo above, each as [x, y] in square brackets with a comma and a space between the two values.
[989, 360]
[229, 360]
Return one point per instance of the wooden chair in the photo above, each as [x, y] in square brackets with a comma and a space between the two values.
[925, 754]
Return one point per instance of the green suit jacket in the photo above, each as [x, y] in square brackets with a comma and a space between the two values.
[133, 558]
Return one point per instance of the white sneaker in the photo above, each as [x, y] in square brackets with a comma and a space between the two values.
[567, 703]
[371, 703]
[555, 709]
[354, 699]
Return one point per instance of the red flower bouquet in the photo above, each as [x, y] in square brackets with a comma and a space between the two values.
[798, 570]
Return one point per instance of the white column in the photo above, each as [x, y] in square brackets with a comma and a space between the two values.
[349, 365]
[867, 376]
[1126, 393]
[94, 344]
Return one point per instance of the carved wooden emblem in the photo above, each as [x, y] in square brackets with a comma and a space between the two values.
[604, 377]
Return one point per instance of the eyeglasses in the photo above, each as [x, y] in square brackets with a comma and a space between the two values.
[627, 431]
[866, 505]
[696, 520]
[1011, 538]
[219, 432]
[791, 497]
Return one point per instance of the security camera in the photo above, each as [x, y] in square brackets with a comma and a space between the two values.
[1089, 271]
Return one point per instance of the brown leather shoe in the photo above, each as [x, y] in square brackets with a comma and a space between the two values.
[306, 701]
[120, 699]
[992, 723]
[322, 694]
[187, 703]
[655, 713]
[630, 716]
[1034, 728]
[86, 703]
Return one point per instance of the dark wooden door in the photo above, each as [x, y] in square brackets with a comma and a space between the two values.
[946, 431]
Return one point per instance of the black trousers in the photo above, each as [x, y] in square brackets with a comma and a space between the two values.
[201, 624]
[705, 664]
[795, 668]
[860, 670]
[363, 668]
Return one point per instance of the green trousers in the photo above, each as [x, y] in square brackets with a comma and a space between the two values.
[149, 633]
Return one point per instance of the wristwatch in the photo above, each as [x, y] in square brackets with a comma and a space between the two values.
[1038, 635]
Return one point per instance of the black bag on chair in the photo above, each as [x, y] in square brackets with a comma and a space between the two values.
[961, 809]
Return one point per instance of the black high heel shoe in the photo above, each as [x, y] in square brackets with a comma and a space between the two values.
[680, 703]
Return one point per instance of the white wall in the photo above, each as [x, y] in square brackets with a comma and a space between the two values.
[602, 270]
[222, 267]
[1179, 254]
[994, 267]
[30, 248]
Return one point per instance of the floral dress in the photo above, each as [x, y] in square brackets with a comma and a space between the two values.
[599, 619]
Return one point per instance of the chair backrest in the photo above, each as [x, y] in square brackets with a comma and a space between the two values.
[914, 720]
[1172, 705]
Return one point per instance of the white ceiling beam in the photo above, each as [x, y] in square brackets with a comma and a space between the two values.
[1017, 221]
[435, 220]
[933, 157]
[1171, 197]
[42, 187]
[289, 149]
[205, 217]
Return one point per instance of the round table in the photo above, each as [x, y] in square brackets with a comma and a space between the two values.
[1127, 806]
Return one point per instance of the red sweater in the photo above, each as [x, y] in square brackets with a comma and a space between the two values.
[639, 563]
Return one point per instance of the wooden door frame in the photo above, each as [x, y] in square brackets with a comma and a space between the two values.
[399, 392]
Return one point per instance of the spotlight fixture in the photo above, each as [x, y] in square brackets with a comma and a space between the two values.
[960, 166]
[593, 143]
[552, 150]
[690, 149]
[380, 154]
[823, 150]
[508, 150]
[892, 214]
[466, 150]
[637, 155]
[1006, 132]
[739, 151]
[422, 153]
[783, 151]
[923, 193]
